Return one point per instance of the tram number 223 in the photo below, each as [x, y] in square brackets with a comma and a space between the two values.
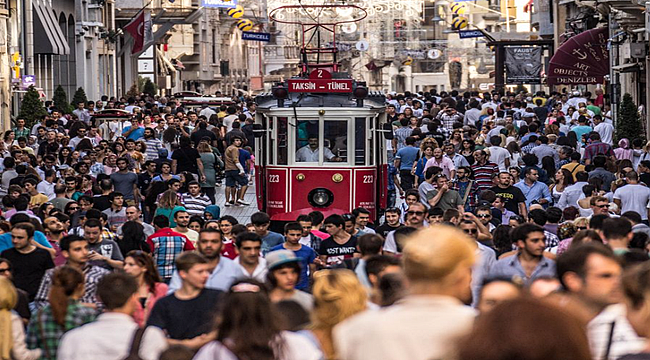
[274, 178]
[368, 179]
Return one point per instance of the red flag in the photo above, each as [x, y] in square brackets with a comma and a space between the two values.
[139, 28]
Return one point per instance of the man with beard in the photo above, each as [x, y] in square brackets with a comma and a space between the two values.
[223, 271]
[54, 232]
[529, 263]
[515, 200]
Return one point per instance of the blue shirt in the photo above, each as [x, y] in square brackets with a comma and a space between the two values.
[581, 130]
[271, 240]
[537, 191]
[137, 134]
[5, 240]
[307, 256]
[224, 275]
[510, 267]
[408, 156]
[243, 157]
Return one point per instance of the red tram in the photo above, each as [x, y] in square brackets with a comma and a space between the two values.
[321, 139]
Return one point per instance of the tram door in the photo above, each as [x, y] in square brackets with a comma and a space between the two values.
[263, 157]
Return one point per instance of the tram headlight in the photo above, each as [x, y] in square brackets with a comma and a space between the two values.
[320, 197]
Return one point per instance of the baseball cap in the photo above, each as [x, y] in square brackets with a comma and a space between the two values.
[280, 257]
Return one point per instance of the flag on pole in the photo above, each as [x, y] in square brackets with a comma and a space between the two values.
[141, 30]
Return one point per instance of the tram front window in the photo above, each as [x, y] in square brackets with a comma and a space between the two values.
[309, 152]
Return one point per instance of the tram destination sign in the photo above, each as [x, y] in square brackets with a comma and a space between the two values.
[320, 85]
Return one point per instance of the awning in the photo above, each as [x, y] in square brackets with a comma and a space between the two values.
[583, 59]
[48, 37]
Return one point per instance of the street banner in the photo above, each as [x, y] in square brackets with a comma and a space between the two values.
[523, 64]
[255, 36]
[219, 3]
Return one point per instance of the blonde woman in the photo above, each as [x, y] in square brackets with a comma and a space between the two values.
[12, 330]
[338, 295]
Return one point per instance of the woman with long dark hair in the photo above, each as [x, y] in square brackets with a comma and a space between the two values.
[562, 179]
[133, 238]
[63, 313]
[249, 328]
[141, 266]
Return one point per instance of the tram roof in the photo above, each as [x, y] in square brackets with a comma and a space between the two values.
[375, 99]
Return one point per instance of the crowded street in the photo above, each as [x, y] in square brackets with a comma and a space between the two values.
[324, 180]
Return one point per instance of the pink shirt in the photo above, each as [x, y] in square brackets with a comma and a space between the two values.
[445, 164]
[142, 313]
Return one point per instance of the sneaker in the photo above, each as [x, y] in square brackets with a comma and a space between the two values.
[243, 202]
[226, 204]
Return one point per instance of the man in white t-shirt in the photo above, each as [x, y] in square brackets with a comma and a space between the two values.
[633, 196]
[230, 118]
[499, 155]
[605, 130]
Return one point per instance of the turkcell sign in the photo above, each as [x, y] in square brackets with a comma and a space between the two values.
[465, 34]
[320, 85]
[255, 36]
[219, 3]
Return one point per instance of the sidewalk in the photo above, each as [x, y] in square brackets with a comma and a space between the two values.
[241, 213]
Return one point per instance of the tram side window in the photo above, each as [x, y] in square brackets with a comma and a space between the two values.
[335, 137]
[282, 141]
[359, 141]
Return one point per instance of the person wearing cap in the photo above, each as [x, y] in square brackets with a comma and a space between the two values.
[283, 276]
[307, 255]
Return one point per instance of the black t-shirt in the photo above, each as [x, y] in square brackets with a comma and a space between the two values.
[512, 195]
[384, 229]
[186, 319]
[200, 134]
[186, 160]
[28, 269]
[336, 252]
[101, 202]
[144, 179]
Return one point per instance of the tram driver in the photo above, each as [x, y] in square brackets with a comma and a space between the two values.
[309, 152]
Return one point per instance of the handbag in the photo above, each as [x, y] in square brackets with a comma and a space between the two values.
[134, 350]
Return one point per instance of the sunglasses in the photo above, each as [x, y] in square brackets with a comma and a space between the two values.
[484, 215]
[581, 228]
[603, 206]
[470, 231]
[418, 213]
[2, 271]
[74, 208]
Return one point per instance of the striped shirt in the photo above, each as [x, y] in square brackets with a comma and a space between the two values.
[166, 245]
[400, 135]
[196, 205]
[483, 174]
[92, 275]
[153, 145]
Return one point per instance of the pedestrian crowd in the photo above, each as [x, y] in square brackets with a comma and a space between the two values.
[517, 215]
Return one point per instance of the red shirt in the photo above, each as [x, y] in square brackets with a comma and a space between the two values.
[228, 249]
